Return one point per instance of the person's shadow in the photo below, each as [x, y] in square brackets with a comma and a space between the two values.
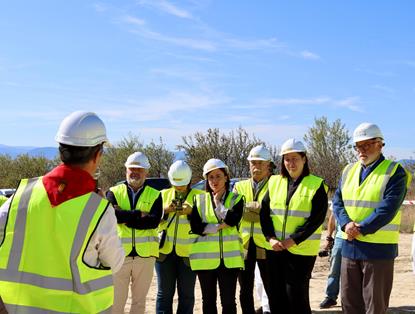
[402, 309]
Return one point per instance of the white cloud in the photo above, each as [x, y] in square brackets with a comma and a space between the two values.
[296, 101]
[165, 107]
[133, 20]
[309, 55]
[167, 7]
[254, 44]
[198, 44]
[350, 103]
[376, 73]
[386, 89]
[99, 7]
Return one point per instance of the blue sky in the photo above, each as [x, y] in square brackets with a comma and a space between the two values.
[170, 68]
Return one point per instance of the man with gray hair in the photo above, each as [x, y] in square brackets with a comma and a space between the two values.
[367, 206]
[138, 208]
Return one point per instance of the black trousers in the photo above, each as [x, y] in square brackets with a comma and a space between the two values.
[247, 279]
[227, 278]
[289, 281]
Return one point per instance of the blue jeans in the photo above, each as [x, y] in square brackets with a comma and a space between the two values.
[169, 272]
[333, 280]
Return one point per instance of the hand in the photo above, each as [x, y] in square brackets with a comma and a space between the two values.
[222, 226]
[352, 230]
[254, 207]
[328, 243]
[217, 197]
[170, 208]
[186, 210]
[276, 245]
[287, 243]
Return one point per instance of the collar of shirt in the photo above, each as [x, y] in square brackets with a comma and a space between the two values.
[366, 170]
[62, 183]
[135, 194]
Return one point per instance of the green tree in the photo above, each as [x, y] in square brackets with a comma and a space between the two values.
[112, 167]
[160, 159]
[329, 150]
[6, 176]
[233, 149]
[24, 166]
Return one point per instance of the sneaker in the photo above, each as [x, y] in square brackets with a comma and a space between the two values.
[327, 303]
[259, 310]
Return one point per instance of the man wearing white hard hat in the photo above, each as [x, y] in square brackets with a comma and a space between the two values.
[292, 214]
[253, 240]
[60, 245]
[367, 206]
[173, 266]
[138, 208]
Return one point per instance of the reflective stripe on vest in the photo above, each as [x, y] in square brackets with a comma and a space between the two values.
[147, 238]
[250, 229]
[360, 200]
[178, 232]
[87, 290]
[286, 220]
[207, 251]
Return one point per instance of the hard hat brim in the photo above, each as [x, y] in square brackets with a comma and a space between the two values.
[135, 166]
[292, 151]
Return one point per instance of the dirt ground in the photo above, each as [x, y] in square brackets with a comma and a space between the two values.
[402, 299]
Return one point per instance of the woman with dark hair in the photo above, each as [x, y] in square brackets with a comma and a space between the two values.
[217, 254]
[293, 211]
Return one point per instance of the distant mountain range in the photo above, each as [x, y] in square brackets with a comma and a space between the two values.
[14, 151]
[52, 152]
[48, 152]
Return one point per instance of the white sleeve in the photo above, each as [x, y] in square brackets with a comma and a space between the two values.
[105, 247]
[221, 211]
[4, 211]
[211, 228]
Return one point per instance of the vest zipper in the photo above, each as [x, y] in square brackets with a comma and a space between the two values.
[176, 226]
[284, 225]
[133, 233]
[221, 245]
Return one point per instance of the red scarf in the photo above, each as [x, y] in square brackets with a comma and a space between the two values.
[65, 182]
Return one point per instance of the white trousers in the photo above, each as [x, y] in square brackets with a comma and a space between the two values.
[139, 271]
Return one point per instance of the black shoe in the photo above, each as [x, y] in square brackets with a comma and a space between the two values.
[259, 310]
[327, 303]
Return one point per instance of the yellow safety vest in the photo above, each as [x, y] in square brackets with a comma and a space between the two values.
[250, 229]
[360, 200]
[41, 255]
[146, 239]
[178, 231]
[207, 251]
[287, 219]
[3, 199]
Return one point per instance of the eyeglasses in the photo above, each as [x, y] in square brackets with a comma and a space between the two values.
[364, 147]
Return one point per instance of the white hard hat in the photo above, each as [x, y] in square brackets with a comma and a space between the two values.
[137, 160]
[213, 164]
[260, 152]
[81, 128]
[366, 131]
[180, 173]
[292, 146]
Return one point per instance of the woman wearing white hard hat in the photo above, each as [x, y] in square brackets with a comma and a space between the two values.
[292, 214]
[217, 254]
[172, 266]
